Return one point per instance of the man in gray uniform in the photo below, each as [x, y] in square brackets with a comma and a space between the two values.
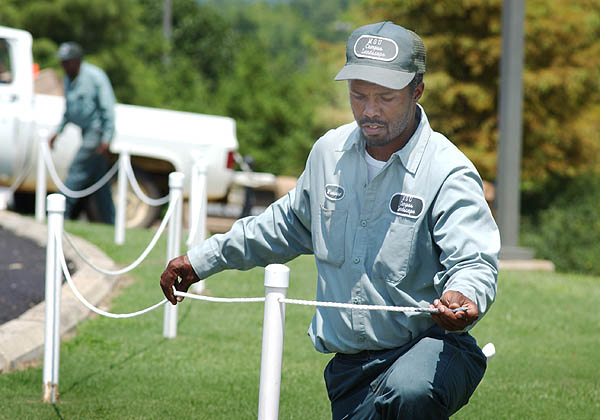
[395, 215]
[90, 104]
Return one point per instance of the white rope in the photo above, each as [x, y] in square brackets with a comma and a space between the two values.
[316, 303]
[364, 307]
[83, 300]
[138, 191]
[141, 258]
[27, 165]
[63, 188]
[217, 299]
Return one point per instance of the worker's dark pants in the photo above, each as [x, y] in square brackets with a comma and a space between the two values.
[429, 378]
[87, 168]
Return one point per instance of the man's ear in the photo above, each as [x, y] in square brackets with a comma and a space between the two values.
[418, 91]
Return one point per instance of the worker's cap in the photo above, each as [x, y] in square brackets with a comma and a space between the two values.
[385, 54]
[69, 51]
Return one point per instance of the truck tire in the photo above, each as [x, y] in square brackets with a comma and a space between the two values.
[138, 213]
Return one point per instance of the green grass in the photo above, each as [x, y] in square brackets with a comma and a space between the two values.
[543, 325]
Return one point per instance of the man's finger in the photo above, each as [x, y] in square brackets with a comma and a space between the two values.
[166, 284]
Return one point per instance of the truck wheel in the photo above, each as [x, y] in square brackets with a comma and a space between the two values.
[138, 214]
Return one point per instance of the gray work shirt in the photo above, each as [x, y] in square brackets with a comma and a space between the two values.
[419, 228]
[90, 102]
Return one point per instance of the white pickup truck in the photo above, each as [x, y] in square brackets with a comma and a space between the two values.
[159, 141]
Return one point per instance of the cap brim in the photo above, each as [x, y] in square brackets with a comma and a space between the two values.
[391, 79]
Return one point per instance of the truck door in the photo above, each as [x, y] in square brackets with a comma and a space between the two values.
[16, 93]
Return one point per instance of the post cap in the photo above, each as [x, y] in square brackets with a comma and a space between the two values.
[176, 179]
[55, 203]
[277, 275]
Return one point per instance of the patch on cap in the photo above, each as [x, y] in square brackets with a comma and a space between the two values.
[376, 48]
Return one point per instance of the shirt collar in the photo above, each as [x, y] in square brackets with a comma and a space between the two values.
[412, 152]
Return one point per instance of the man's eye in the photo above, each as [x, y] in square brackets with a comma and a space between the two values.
[387, 98]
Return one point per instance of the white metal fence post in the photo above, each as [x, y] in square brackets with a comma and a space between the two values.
[198, 208]
[40, 184]
[120, 217]
[56, 209]
[173, 246]
[277, 280]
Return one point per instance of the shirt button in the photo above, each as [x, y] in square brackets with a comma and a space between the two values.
[363, 223]
[356, 260]
[355, 301]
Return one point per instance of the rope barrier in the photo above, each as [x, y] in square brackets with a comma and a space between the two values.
[26, 169]
[138, 191]
[364, 307]
[217, 299]
[143, 255]
[317, 303]
[63, 188]
[83, 300]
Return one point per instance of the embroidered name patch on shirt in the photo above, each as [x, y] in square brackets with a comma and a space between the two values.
[406, 205]
[334, 192]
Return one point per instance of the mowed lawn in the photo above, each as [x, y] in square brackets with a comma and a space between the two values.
[544, 326]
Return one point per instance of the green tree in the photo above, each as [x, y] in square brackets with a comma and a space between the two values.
[561, 78]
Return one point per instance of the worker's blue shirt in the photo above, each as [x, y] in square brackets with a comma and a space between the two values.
[419, 228]
[90, 102]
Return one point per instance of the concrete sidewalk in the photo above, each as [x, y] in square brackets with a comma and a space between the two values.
[22, 339]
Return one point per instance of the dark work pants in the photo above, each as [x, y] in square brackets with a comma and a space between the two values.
[87, 168]
[431, 377]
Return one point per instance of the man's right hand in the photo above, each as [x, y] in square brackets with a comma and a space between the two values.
[52, 140]
[178, 268]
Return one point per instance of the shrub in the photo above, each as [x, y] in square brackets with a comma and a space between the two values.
[568, 231]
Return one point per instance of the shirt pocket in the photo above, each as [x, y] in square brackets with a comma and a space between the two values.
[392, 261]
[330, 236]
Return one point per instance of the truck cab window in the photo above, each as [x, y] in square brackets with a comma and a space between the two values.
[5, 68]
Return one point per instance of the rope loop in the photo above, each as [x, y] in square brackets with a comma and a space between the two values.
[63, 188]
[142, 257]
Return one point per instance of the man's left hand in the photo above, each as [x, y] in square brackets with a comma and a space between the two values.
[102, 149]
[454, 321]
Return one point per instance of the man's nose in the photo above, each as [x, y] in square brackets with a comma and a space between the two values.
[372, 109]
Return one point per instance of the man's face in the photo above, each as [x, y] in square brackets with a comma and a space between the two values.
[71, 67]
[384, 115]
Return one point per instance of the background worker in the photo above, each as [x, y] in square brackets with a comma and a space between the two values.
[90, 103]
[395, 215]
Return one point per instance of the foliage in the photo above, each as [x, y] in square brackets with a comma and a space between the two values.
[568, 231]
[561, 78]
[257, 62]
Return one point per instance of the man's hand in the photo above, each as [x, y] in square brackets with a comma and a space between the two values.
[51, 140]
[103, 149]
[454, 321]
[178, 268]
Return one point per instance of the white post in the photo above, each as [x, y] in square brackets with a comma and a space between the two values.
[121, 211]
[173, 246]
[277, 280]
[40, 184]
[56, 209]
[197, 218]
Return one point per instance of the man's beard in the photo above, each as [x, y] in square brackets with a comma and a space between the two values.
[390, 136]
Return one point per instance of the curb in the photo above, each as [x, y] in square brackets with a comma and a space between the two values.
[22, 339]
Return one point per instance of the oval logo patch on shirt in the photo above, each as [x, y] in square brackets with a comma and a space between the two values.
[406, 205]
[334, 192]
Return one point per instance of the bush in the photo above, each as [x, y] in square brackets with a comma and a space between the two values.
[568, 231]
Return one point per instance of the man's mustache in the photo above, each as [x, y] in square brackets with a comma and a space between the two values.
[371, 121]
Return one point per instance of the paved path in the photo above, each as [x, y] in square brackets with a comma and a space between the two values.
[22, 277]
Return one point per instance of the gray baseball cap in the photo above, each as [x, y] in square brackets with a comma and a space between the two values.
[69, 51]
[385, 54]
